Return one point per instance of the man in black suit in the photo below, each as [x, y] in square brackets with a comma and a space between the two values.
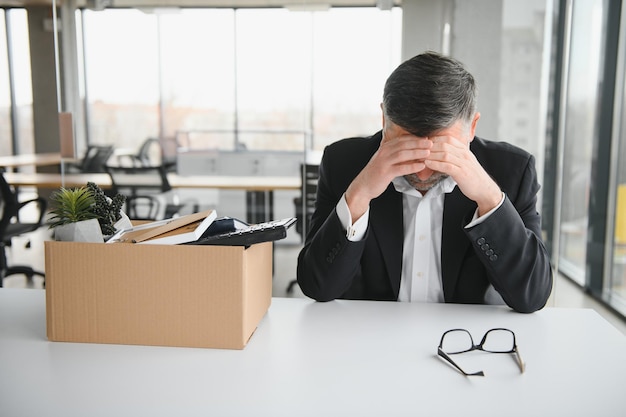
[424, 210]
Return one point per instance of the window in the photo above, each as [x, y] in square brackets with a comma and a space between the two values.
[122, 77]
[273, 77]
[350, 65]
[259, 79]
[617, 282]
[198, 77]
[6, 147]
[580, 133]
[16, 100]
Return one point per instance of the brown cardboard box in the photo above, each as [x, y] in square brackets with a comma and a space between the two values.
[164, 295]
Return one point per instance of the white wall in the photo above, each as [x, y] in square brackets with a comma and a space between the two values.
[474, 39]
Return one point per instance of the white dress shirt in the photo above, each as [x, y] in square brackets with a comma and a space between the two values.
[421, 257]
[423, 221]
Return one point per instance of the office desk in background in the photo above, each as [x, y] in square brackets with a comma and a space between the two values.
[250, 183]
[40, 159]
[259, 189]
[342, 358]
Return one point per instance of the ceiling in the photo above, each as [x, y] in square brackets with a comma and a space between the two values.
[209, 3]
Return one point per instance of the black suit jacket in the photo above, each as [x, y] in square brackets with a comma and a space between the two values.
[505, 250]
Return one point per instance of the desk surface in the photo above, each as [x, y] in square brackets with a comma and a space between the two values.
[343, 358]
[249, 183]
[14, 161]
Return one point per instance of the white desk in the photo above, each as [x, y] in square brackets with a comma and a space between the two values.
[343, 358]
[259, 189]
[248, 183]
[38, 159]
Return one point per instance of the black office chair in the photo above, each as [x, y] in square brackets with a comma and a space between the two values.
[305, 204]
[11, 226]
[94, 160]
[146, 189]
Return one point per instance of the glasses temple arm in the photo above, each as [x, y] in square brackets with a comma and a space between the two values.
[520, 361]
[448, 359]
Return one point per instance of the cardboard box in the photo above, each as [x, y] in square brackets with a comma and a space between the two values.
[163, 295]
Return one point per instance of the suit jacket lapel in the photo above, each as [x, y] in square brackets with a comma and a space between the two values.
[454, 242]
[389, 232]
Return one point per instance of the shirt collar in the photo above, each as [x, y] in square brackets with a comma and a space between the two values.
[402, 186]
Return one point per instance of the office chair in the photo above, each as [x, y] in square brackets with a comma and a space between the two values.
[11, 226]
[149, 154]
[305, 204]
[94, 160]
[147, 190]
[169, 155]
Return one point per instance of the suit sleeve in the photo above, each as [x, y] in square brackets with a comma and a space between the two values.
[510, 247]
[328, 262]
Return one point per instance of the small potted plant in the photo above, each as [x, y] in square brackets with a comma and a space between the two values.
[84, 214]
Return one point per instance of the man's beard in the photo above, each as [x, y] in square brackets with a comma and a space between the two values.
[427, 184]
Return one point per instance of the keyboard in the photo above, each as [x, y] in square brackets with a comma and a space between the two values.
[233, 232]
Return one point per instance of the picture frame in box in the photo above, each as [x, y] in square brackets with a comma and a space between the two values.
[172, 231]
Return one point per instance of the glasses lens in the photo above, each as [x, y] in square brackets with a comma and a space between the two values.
[499, 340]
[457, 341]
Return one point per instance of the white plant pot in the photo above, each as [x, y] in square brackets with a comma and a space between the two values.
[85, 231]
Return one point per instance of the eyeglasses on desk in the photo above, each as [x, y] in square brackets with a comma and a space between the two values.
[497, 340]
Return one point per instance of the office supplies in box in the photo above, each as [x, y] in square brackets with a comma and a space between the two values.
[234, 232]
[163, 295]
[169, 231]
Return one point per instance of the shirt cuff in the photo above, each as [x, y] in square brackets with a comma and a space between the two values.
[478, 220]
[354, 232]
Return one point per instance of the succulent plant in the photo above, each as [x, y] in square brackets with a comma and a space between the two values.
[71, 205]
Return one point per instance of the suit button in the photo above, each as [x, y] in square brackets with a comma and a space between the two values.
[329, 259]
[489, 252]
[481, 241]
[484, 247]
[493, 258]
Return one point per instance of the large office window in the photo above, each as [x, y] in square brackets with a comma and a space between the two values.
[6, 147]
[122, 77]
[617, 277]
[259, 79]
[350, 65]
[581, 118]
[197, 70]
[16, 98]
[273, 77]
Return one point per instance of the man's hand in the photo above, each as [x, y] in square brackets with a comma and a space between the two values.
[400, 153]
[452, 156]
